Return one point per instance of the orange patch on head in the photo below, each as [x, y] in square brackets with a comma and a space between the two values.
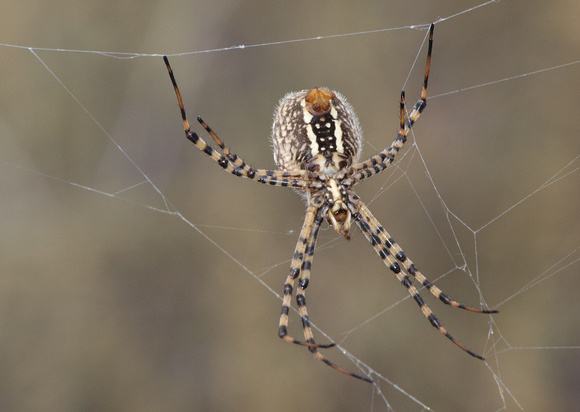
[318, 101]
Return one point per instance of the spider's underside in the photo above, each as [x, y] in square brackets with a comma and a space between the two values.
[317, 144]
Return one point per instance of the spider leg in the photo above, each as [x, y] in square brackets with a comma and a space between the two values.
[230, 161]
[264, 176]
[390, 252]
[385, 158]
[300, 268]
[412, 270]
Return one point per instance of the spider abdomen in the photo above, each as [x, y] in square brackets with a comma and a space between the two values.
[316, 130]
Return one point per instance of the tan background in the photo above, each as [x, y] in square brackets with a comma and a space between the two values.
[109, 305]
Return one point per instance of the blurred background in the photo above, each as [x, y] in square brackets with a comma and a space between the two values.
[109, 303]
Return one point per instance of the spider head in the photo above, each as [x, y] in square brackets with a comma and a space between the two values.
[338, 214]
[339, 218]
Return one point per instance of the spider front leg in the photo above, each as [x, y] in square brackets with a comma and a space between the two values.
[391, 254]
[385, 158]
[229, 160]
[300, 269]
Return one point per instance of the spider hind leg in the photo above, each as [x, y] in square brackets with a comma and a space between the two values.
[391, 254]
[300, 269]
[338, 368]
[435, 291]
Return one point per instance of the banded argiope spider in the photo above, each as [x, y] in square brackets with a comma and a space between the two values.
[317, 143]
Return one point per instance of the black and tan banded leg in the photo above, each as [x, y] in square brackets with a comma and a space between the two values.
[271, 177]
[300, 268]
[230, 161]
[297, 266]
[413, 271]
[385, 158]
[393, 256]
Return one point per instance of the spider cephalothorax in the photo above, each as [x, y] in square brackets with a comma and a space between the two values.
[317, 144]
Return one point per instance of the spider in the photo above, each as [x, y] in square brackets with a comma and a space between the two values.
[317, 142]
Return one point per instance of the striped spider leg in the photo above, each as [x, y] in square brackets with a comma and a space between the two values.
[379, 162]
[317, 139]
[393, 256]
[300, 268]
[230, 161]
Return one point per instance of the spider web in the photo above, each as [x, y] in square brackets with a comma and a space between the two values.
[137, 275]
